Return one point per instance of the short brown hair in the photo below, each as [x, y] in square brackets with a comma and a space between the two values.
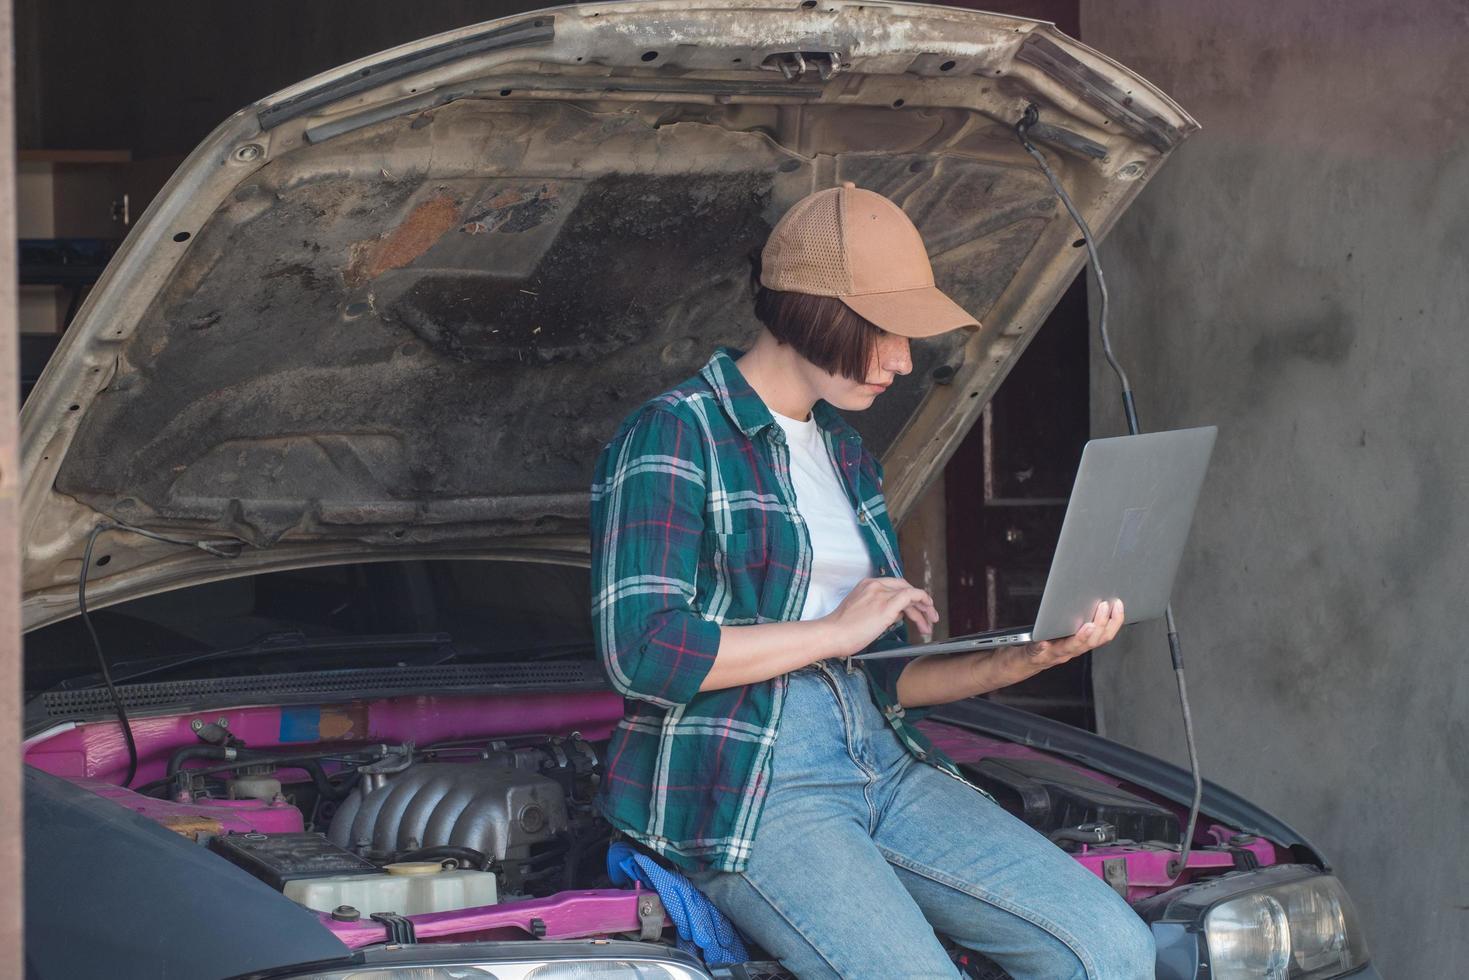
[822, 329]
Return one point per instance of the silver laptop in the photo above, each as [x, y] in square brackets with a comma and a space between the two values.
[1123, 536]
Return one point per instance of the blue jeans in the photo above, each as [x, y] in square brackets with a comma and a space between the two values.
[862, 852]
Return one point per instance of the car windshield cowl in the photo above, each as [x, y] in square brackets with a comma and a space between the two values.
[427, 649]
[126, 672]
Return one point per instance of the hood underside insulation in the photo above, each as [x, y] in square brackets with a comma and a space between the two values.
[543, 271]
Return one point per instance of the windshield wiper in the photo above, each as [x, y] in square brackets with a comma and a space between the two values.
[292, 642]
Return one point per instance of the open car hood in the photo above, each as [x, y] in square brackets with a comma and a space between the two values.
[396, 310]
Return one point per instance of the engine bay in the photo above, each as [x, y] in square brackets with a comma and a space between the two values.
[447, 817]
[393, 823]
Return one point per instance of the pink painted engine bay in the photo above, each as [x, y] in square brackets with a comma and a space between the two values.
[512, 775]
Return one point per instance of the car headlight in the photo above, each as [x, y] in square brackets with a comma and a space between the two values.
[1286, 922]
[513, 960]
[1301, 930]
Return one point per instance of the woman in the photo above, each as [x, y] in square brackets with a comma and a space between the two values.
[741, 554]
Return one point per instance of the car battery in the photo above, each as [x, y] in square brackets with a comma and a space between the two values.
[278, 858]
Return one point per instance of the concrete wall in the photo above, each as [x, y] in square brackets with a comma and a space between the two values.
[1298, 275]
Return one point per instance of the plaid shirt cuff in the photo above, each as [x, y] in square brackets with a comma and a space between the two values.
[693, 641]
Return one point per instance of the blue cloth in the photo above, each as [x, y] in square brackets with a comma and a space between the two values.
[702, 929]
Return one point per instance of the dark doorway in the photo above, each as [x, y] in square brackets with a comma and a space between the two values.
[1005, 493]
[1006, 487]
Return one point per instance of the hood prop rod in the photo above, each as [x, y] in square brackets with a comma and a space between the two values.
[229, 549]
[1030, 119]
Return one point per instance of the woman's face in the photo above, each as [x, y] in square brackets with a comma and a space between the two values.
[890, 358]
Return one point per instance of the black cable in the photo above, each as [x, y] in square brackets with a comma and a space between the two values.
[467, 856]
[219, 549]
[122, 715]
[1175, 650]
[230, 549]
[1022, 129]
[1129, 408]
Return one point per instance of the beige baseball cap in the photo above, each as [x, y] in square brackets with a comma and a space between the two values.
[860, 247]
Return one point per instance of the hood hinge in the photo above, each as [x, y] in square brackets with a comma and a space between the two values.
[794, 64]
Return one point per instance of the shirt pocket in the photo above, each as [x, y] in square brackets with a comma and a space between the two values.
[733, 571]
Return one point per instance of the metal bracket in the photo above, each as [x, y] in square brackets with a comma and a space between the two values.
[400, 928]
[793, 64]
[1244, 859]
[396, 758]
[650, 916]
[1114, 873]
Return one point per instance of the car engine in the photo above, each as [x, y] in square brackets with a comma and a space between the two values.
[511, 809]
[417, 829]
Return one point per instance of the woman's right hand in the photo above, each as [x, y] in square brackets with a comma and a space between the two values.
[872, 606]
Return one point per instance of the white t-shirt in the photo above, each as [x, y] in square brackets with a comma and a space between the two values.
[839, 556]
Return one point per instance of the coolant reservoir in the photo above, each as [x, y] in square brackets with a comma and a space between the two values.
[410, 888]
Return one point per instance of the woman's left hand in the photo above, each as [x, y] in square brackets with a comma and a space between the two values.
[941, 679]
[1106, 621]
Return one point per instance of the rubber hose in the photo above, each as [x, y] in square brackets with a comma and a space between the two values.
[310, 764]
[478, 860]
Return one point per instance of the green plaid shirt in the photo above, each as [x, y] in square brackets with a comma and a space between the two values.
[694, 526]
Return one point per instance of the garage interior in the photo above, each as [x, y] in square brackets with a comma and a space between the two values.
[1296, 275]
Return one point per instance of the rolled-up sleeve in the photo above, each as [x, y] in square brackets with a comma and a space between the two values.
[647, 520]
